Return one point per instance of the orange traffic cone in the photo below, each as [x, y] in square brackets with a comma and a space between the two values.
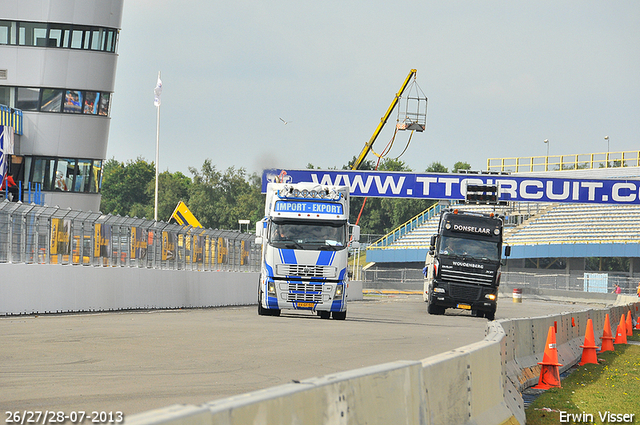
[607, 339]
[621, 332]
[589, 348]
[629, 324]
[638, 322]
[549, 374]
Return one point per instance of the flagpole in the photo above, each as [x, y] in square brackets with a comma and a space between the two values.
[155, 210]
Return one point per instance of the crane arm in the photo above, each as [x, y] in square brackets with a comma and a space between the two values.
[383, 121]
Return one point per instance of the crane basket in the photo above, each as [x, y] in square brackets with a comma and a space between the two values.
[414, 114]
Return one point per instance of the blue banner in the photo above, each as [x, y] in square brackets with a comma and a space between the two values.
[453, 186]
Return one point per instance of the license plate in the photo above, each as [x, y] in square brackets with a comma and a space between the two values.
[464, 306]
[310, 305]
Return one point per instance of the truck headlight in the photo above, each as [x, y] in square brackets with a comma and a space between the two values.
[492, 297]
[440, 290]
[271, 288]
[339, 289]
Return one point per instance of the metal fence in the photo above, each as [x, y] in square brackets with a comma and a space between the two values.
[412, 278]
[392, 276]
[572, 282]
[34, 234]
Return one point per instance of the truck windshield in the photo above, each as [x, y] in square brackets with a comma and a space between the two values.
[310, 235]
[472, 248]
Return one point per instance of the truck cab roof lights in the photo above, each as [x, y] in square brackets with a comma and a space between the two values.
[320, 193]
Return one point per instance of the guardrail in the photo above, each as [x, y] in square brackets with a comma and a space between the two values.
[12, 118]
[480, 383]
[565, 162]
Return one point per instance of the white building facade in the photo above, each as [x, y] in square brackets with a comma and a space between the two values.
[58, 64]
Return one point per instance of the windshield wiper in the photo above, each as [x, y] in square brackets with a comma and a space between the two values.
[330, 247]
[287, 243]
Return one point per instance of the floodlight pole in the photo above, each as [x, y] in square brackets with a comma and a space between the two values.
[155, 208]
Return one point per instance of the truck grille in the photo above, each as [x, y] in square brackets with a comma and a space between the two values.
[464, 292]
[304, 292]
[466, 277]
[306, 270]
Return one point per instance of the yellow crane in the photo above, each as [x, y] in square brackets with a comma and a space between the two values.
[407, 124]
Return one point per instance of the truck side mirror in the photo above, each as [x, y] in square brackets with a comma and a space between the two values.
[432, 243]
[260, 227]
[355, 233]
[507, 250]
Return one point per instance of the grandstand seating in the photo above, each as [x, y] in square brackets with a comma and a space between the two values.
[548, 224]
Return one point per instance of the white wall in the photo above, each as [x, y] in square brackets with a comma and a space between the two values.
[37, 288]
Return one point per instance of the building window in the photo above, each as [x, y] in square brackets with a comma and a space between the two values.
[83, 178]
[56, 100]
[72, 102]
[51, 100]
[32, 34]
[63, 174]
[27, 99]
[6, 96]
[103, 104]
[96, 177]
[5, 32]
[42, 173]
[66, 36]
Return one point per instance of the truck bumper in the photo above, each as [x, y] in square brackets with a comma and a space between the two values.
[305, 296]
[464, 297]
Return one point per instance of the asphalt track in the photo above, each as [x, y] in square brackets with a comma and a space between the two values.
[137, 361]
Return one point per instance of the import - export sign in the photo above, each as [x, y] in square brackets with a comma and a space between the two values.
[454, 186]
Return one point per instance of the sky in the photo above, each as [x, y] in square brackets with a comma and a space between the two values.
[500, 78]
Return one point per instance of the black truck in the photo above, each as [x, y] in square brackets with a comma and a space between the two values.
[462, 269]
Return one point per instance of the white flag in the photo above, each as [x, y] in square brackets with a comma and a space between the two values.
[157, 91]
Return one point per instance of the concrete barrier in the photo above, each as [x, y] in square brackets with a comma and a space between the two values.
[478, 384]
[44, 288]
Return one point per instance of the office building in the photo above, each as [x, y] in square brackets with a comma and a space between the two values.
[58, 65]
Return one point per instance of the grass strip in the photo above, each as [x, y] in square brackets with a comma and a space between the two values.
[592, 393]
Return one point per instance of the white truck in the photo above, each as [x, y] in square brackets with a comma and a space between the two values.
[305, 235]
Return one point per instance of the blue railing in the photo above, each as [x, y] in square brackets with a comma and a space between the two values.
[11, 117]
[407, 227]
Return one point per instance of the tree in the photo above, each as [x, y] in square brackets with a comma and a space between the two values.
[461, 166]
[219, 200]
[172, 188]
[124, 186]
[436, 167]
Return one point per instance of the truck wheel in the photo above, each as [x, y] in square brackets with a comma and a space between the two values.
[491, 315]
[435, 309]
[324, 314]
[339, 315]
[261, 310]
[477, 313]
